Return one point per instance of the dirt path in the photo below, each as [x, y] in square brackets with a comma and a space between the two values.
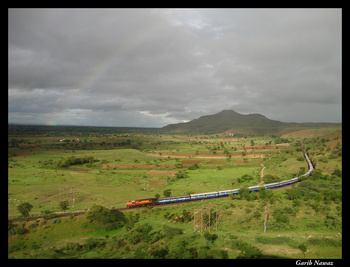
[262, 174]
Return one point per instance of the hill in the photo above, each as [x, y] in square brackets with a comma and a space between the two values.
[231, 122]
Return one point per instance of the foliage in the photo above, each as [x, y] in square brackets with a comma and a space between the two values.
[269, 179]
[210, 237]
[159, 252]
[247, 251]
[280, 140]
[167, 193]
[303, 249]
[245, 178]
[325, 242]
[183, 174]
[17, 231]
[244, 192]
[140, 233]
[63, 205]
[93, 243]
[24, 208]
[282, 217]
[186, 216]
[170, 231]
[70, 161]
[273, 240]
[317, 188]
[332, 221]
[105, 217]
[266, 194]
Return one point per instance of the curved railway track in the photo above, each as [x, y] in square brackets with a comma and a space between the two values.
[252, 188]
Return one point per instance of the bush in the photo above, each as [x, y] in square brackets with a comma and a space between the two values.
[33, 225]
[186, 216]
[269, 179]
[332, 221]
[159, 252]
[245, 178]
[210, 237]
[244, 193]
[17, 231]
[70, 161]
[106, 218]
[325, 242]
[92, 243]
[170, 231]
[247, 251]
[140, 233]
[167, 193]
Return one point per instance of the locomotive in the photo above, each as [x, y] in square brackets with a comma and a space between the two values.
[215, 194]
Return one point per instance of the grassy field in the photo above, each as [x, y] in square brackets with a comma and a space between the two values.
[127, 166]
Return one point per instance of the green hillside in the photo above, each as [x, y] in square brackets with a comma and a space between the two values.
[232, 122]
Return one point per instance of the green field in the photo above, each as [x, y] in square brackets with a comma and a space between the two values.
[109, 166]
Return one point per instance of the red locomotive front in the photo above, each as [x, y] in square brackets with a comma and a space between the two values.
[138, 202]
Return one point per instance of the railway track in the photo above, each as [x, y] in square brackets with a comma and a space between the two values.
[79, 213]
[124, 209]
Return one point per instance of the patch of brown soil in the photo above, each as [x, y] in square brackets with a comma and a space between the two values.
[284, 251]
[128, 166]
[156, 183]
[211, 156]
[88, 230]
[159, 173]
[191, 162]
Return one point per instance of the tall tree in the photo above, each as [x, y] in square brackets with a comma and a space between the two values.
[24, 208]
[63, 205]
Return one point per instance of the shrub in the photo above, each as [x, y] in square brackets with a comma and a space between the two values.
[325, 242]
[247, 251]
[245, 178]
[105, 217]
[170, 231]
[24, 208]
[269, 178]
[17, 231]
[33, 225]
[332, 221]
[210, 237]
[167, 193]
[92, 243]
[159, 253]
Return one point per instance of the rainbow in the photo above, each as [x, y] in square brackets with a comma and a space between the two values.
[101, 71]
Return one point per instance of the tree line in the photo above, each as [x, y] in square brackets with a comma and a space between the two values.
[69, 161]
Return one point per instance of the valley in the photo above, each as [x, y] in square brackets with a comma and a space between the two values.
[106, 167]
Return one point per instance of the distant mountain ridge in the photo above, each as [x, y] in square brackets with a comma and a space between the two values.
[233, 122]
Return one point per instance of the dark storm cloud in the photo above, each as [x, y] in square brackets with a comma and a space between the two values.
[153, 67]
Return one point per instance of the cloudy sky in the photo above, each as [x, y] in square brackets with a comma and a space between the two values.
[153, 67]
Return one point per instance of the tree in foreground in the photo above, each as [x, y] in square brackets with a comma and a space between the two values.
[63, 205]
[303, 249]
[24, 208]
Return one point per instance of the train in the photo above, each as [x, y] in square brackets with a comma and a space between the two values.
[215, 194]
